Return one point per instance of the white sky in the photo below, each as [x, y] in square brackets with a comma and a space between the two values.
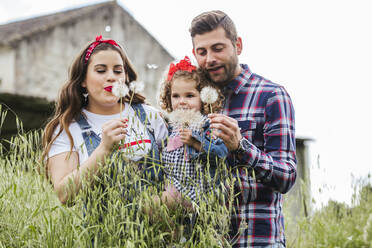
[321, 51]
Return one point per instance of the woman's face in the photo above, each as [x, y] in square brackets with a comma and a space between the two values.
[184, 95]
[105, 68]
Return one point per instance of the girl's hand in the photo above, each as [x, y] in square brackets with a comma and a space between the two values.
[112, 132]
[186, 136]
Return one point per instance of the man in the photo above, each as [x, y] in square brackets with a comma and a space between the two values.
[257, 126]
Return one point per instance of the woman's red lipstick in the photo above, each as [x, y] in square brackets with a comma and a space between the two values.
[108, 88]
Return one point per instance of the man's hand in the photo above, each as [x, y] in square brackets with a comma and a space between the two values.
[227, 129]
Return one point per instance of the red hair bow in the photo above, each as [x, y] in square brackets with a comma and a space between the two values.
[96, 43]
[183, 65]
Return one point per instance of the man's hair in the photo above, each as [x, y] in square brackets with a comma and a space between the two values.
[211, 20]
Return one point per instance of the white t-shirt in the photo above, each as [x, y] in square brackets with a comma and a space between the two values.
[136, 133]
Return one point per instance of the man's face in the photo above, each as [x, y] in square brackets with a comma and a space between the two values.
[216, 54]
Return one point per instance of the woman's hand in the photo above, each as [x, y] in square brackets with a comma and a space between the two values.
[67, 173]
[112, 132]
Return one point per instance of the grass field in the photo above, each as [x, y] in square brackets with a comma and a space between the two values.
[32, 216]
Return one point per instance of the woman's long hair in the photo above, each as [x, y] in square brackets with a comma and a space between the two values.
[71, 100]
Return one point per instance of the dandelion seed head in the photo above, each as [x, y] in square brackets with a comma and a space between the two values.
[136, 86]
[186, 118]
[152, 66]
[120, 89]
[208, 95]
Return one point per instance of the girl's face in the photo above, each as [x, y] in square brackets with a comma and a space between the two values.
[184, 95]
[105, 68]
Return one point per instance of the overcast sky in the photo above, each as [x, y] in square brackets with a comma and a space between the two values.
[321, 51]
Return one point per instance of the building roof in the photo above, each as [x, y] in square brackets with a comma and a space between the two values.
[18, 30]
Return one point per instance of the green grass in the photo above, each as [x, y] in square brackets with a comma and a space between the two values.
[32, 216]
[106, 213]
[337, 224]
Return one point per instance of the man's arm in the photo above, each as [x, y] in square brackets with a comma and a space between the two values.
[275, 166]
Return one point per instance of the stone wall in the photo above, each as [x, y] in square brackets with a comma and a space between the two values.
[297, 201]
[7, 62]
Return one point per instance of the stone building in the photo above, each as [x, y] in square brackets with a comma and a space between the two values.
[35, 55]
[298, 199]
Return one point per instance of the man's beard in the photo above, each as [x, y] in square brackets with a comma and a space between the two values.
[228, 75]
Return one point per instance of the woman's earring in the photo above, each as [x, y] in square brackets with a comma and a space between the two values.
[85, 96]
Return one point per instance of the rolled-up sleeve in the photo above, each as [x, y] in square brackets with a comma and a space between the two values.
[275, 165]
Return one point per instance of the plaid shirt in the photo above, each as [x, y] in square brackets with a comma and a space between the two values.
[267, 170]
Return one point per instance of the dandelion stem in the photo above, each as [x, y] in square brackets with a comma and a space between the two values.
[121, 110]
[131, 98]
[211, 137]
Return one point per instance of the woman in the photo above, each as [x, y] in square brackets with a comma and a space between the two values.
[88, 124]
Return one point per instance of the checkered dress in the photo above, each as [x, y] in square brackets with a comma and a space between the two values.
[186, 176]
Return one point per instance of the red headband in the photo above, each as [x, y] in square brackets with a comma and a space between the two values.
[96, 43]
[183, 65]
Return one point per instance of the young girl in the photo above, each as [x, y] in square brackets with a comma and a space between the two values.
[88, 123]
[191, 147]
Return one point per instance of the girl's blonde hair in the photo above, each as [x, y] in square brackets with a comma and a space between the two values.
[201, 80]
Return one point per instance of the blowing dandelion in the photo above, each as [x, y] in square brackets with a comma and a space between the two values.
[209, 95]
[120, 89]
[135, 87]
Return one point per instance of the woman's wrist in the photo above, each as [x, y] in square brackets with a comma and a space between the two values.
[103, 150]
[96, 158]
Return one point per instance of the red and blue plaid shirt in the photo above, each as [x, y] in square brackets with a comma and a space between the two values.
[267, 170]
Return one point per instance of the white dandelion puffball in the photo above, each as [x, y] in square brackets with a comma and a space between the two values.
[186, 118]
[136, 86]
[208, 95]
[120, 89]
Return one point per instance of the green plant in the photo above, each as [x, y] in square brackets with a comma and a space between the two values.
[109, 213]
[336, 224]
[106, 212]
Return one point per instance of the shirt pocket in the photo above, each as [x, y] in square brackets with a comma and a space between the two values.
[247, 128]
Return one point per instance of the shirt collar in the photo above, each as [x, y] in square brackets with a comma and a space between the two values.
[242, 79]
